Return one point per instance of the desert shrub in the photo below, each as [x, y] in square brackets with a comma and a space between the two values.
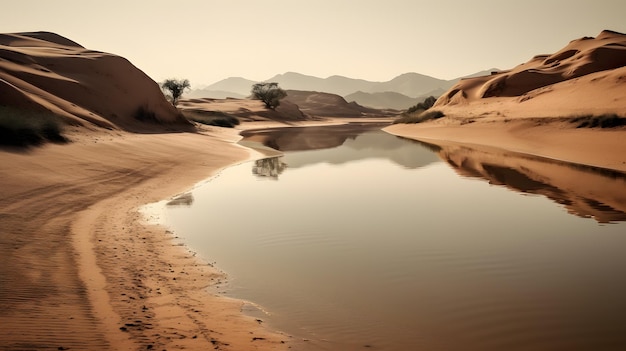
[212, 118]
[174, 88]
[25, 128]
[269, 93]
[422, 106]
[144, 114]
[602, 121]
[420, 117]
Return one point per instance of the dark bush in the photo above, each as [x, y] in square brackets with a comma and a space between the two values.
[421, 117]
[269, 93]
[143, 114]
[422, 106]
[25, 128]
[602, 121]
[212, 118]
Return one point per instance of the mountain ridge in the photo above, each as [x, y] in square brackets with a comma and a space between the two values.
[412, 85]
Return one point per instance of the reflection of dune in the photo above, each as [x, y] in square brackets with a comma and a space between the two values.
[584, 190]
[356, 142]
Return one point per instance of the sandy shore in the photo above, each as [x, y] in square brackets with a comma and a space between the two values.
[551, 138]
[80, 268]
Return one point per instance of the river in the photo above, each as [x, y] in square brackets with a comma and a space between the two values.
[355, 239]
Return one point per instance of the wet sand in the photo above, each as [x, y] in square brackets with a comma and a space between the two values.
[550, 138]
[82, 270]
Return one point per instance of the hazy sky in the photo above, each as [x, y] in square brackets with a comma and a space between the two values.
[206, 41]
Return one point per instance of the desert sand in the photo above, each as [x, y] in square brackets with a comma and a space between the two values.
[81, 269]
[534, 107]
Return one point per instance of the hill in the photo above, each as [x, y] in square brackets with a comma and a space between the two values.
[389, 99]
[335, 84]
[235, 86]
[320, 104]
[587, 76]
[413, 86]
[47, 73]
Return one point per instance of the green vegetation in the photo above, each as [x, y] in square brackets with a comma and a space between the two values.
[420, 112]
[212, 118]
[269, 93]
[26, 128]
[422, 106]
[423, 116]
[174, 89]
[602, 121]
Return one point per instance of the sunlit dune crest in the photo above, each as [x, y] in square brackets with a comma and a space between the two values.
[586, 76]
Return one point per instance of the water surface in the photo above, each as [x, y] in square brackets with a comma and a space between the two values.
[357, 240]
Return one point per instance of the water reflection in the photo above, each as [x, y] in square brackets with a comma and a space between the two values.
[372, 242]
[269, 167]
[585, 191]
[309, 138]
[181, 200]
[335, 145]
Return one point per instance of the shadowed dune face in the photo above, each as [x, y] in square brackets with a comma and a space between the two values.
[578, 59]
[43, 71]
[584, 191]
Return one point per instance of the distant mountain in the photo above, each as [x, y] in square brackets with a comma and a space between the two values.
[237, 85]
[389, 99]
[214, 94]
[413, 87]
[335, 84]
[412, 84]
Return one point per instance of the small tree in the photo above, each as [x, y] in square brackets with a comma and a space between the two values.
[175, 88]
[269, 93]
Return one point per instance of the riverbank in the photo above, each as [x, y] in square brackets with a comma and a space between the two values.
[82, 270]
[551, 138]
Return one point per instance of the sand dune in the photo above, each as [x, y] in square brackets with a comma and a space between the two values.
[80, 268]
[244, 109]
[43, 71]
[535, 107]
[588, 76]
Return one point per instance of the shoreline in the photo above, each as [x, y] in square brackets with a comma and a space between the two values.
[74, 236]
[83, 269]
[556, 140]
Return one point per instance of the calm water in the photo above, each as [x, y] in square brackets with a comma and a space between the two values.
[369, 241]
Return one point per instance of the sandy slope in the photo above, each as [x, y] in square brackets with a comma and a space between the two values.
[79, 270]
[529, 108]
[587, 76]
[46, 72]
